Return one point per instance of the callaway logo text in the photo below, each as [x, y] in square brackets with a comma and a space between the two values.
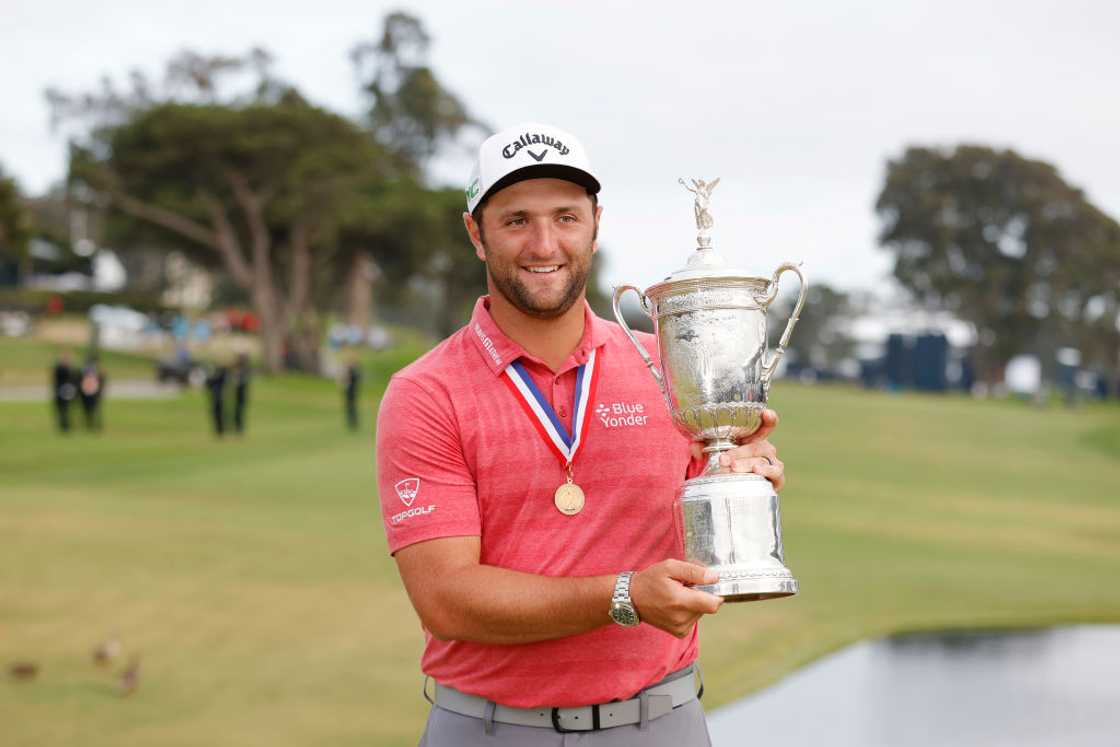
[534, 139]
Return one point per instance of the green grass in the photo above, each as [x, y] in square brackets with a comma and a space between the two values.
[29, 362]
[251, 576]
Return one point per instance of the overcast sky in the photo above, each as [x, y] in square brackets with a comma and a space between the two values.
[796, 106]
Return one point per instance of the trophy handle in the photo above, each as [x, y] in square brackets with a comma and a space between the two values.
[769, 367]
[619, 292]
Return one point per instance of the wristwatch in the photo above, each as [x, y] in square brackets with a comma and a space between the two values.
[622, 609]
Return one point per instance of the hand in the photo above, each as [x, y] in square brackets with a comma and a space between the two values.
[661, 598]
[755, 454]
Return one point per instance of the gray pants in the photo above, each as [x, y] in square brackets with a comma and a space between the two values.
[684, 726]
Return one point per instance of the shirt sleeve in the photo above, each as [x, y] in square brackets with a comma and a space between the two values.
[427, 489]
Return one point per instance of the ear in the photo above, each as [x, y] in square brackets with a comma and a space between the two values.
[598, 215]
[475, 235]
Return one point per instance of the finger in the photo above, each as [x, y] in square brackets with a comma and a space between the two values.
[703, 602]
[750, 464]
[775, 473]
[690, 573]
[697, 604]
[697, 449]
[769, 423]
[754, 449]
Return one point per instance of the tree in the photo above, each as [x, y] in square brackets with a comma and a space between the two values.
[1098, 338]
[263, 184]
[999, 240]
[410, 112]
[415, 118]
[15, 230]
[820, 339]
[392, 236]
[458, 277]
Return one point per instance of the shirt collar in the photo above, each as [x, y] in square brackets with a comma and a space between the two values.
[499, 351]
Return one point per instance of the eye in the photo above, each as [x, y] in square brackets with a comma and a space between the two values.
[568, 218]
[516, 221]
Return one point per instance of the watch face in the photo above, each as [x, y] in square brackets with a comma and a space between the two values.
[624, 615]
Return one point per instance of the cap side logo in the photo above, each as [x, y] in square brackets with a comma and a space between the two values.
[472, 190]
[407, 490]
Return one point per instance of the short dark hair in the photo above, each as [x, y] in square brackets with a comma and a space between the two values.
[476, 214]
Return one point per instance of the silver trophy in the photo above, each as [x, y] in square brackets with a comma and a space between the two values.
[710, 323]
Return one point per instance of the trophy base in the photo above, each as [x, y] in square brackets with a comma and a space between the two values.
[733, 526]
[751, 590]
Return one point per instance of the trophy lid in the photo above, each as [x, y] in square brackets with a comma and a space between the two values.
[705, 263]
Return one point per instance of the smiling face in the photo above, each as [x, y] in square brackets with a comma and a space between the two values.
[537, 239]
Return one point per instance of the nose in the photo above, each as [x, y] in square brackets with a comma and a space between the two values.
[543, 239]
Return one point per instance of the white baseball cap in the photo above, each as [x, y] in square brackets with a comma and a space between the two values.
[528, 151]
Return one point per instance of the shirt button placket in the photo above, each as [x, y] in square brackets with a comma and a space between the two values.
[561, 408]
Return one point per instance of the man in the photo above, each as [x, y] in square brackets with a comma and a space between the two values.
[63, 390]
[241, 374]
[216, 387]
[352, 382]
[90, 388]
[538, 542]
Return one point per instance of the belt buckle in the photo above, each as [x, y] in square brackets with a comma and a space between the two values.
[560, 729]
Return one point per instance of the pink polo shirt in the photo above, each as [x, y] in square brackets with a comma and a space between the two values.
[458, 456]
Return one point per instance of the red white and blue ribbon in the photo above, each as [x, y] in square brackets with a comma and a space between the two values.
[562, 443]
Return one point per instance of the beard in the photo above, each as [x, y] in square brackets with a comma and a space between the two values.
[506, 280]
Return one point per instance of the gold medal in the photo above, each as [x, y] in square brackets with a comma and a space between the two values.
[569, 499]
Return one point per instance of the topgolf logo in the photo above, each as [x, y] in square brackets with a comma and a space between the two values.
[407, 490]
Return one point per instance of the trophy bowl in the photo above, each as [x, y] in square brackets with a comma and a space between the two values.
[710, 326]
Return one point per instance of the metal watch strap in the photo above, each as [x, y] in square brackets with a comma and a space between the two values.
[622, 607]
[622, 588]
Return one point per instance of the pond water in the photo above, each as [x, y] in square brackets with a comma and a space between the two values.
[1057, 686]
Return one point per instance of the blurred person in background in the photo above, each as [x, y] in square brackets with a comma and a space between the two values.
[351, 386]
[531, 536]
[63, 390]
[91, 385]
[241, 374]
[216, 388]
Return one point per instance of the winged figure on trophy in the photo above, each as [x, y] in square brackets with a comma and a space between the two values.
[704, 222]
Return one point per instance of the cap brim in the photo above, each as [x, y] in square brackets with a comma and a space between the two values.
[543, 171]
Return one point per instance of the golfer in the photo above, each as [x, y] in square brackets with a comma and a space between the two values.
[528, 471]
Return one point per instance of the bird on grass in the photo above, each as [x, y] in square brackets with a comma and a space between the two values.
[23, 670]
[130, 677]
[106, 651]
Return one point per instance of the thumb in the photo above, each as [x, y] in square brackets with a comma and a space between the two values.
[690, 573]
